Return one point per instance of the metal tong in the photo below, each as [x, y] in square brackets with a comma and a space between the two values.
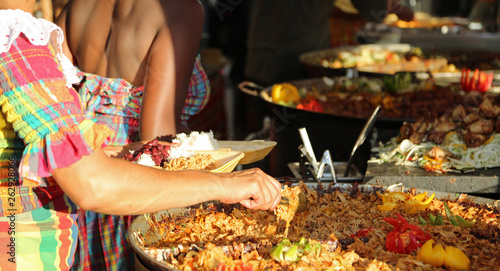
[326, 160]
[362, 137]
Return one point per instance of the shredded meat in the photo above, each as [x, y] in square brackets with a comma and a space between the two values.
[241, 236]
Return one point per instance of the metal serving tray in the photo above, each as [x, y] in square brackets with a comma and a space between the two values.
[152, 258]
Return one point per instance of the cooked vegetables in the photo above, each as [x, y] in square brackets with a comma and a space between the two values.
[292, 252]
[479, 81]
[285, 93]
[433, 220]
[411, 204]
[456, 219]
[462, 139]
[397, 82]
[405, 237]
[451, 257]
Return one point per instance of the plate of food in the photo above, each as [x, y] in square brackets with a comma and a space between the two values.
[254, 150]
[198, 151]
[343, 227]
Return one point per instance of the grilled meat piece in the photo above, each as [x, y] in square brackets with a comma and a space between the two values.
[474, 140]
[439, 154]
[489, 110]
[481, 126]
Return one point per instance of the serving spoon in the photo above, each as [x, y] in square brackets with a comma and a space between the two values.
[301, 207]
[362, 137]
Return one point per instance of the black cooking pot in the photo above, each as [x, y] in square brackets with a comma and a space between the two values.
[331, 132]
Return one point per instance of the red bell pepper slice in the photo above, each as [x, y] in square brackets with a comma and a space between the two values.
[479, 81]
[463, 79]
[311, 105]
[362, 233]
[405, 237]
[396, 222]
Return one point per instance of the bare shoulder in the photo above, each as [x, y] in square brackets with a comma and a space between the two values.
[171, 11]
[181, 19]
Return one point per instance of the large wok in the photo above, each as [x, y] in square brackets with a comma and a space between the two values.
[151, 258]
[336, 133]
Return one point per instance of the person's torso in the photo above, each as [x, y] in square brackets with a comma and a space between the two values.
[96, 36]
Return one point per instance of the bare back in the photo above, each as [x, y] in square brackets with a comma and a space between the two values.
[150, 43]
[99, 29]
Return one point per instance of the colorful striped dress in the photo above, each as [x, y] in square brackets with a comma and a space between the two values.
[103, 240]
[42, 128]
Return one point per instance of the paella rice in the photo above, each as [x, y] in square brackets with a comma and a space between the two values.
[339, 231]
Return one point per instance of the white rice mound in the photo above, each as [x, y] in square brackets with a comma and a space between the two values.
[196, 141]
[145, 160]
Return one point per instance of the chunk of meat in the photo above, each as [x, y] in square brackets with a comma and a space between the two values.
[489, 110]
[439, 154]
[481, 126]
[443, 125]
[472, 117]
[474, 140]
[419, 130]
[405, 130]
[458, 113]
[437, 137]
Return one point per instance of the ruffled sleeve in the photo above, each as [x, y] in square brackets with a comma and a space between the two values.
[60, 149]
[44, 112]
[40, 32]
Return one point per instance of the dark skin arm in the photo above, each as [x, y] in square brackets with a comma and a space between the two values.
[169, 70]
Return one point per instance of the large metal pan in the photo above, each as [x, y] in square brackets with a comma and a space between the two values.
[318, 63]
[315, 63]
[152, 258]
[319, 83]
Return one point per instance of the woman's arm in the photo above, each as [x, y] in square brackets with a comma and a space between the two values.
[170, 65]
[118, 187]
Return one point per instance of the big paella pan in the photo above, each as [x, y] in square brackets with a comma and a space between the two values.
[346, 227]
